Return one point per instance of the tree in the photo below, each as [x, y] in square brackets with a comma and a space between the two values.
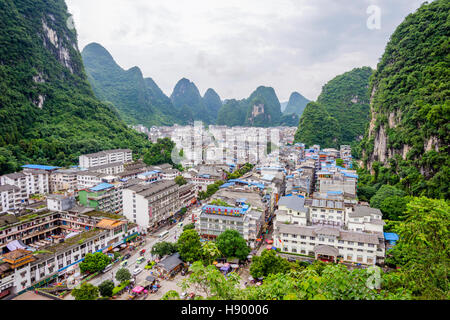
[231, 244]
[180, 180]
[210, 252]
[393, 207]
[189, 226]
[94, 262]
[164, 248]
[384, 192]
[106, 288]
[423, 251]
[171, 295]
[189, 246]
[339, 162]
[86, 291]
[268, 263]
[123, 274]
[212, 282]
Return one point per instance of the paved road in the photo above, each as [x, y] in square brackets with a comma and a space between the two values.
[174, 232]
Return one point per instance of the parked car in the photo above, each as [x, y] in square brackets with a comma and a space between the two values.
[140, 260]
[137, 271]
[127, 256]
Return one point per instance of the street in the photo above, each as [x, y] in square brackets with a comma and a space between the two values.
[174, 232]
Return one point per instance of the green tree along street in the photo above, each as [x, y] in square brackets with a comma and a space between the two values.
[86, 291]
[231, 244]
[318, 281]
[268, 263]
[189, 246]
[188, 226]
[164, 248]
[123, 274]
[106, 288]
[94, 262]
[212, 282]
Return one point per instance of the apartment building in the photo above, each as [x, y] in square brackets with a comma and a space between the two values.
[21, 269]
[216, 219]
[63, 179]
[8, 200]
[335, 229]
[109, 168]
[88, 179]
[150, 205]
[338, 181]
[57, 202]
[104, 197]
[28, 181]
[105, 157]
[329, 243]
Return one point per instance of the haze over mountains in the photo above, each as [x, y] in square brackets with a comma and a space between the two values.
[139, 100]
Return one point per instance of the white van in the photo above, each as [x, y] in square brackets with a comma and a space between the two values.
[107, 268]
[163, 234]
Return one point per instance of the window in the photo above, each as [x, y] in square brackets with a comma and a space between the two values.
[360, 244]
[294, 250]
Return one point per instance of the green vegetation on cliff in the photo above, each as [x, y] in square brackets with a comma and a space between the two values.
[344, 99]
[48, 111]
[138, 100]
[296, 105]
[410, 128]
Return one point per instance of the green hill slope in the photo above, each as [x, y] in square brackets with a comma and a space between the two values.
[410, 109]
[48, 111]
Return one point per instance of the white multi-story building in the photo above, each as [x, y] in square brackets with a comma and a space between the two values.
[105, 157]
[329, 229]
[29, 182]
[20, 269]
[63, 179]
[8, 200]
[149, 205]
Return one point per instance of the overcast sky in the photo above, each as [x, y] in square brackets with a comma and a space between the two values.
[234, 46]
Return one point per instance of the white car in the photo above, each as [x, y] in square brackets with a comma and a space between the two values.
[137, 271]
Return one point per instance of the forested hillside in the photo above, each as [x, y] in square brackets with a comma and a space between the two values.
[344, 99]
[138, 100]
[48, 111]
[187, 100]
[296, 105]
[212, 102]
[261, 109]
[409, 132]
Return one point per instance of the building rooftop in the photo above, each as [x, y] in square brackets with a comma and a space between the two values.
[40, 167]
[293, 202]
[109, 224]
[101, 187]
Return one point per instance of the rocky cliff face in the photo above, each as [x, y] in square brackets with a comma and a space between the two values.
[48, 112]
[409, 129]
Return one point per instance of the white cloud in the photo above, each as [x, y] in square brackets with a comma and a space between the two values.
[236, 45]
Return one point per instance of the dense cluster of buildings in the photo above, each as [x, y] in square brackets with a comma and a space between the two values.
[221, 144]
[320, 215]
[51, 217]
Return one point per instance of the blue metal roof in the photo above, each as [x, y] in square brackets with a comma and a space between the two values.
[334, 192]
[39, 167]
[350, 175]
[102, 186]
[390, 236]
[226, 185]
[149, 173]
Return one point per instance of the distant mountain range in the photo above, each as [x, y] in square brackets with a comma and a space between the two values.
[139, 100]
